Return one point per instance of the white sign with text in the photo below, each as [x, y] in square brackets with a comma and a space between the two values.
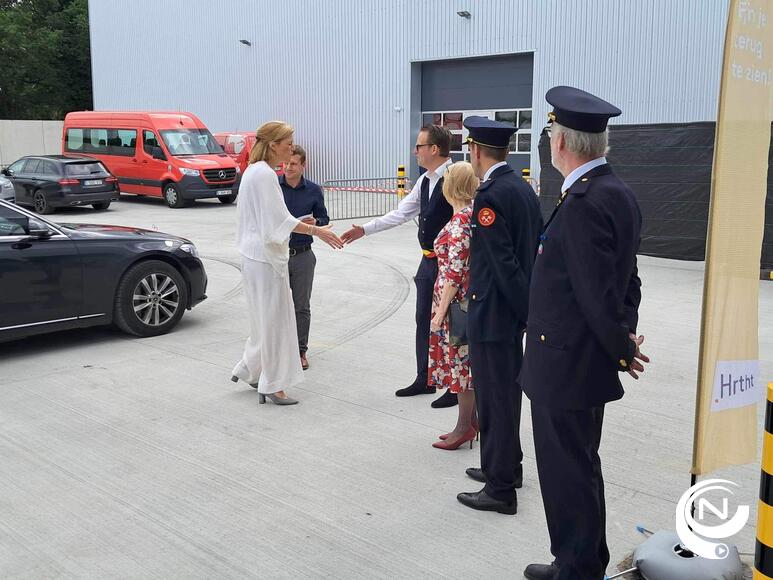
[736, 384]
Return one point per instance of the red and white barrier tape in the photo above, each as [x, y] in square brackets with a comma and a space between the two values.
[364, 189]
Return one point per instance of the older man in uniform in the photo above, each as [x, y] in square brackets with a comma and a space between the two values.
[581, 332]
[506, 224]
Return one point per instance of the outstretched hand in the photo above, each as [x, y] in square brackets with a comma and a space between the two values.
[639, 358]
[327, 235]
[353, 234]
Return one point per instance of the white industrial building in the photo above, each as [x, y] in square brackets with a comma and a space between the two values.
[357, 79]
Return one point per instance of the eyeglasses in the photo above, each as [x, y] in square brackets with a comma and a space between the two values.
[416, 147]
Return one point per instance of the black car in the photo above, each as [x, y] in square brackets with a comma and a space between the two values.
[47, 182]
[63, 276]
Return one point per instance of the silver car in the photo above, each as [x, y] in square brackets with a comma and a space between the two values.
[6, 190]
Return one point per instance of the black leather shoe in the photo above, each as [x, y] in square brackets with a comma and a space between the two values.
[447, 399]
[541, 572]
[480, 500]
[476, 473]
[415, 389]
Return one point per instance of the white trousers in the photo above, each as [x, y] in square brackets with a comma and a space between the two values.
[271, 356]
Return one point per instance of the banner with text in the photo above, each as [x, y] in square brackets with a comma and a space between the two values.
[729, 385]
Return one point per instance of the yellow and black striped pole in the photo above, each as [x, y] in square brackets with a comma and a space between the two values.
[400, 181]
[763, 553]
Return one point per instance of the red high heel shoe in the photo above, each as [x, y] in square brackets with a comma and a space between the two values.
[475, 426]
[469, 436]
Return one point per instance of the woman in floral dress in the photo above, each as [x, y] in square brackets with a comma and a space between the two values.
[449, 366]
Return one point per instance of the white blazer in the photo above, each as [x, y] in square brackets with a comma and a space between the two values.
[264, 224]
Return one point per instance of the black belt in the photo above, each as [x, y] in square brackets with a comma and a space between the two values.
[296, 251]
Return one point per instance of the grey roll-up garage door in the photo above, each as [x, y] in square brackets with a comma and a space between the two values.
[496, 82]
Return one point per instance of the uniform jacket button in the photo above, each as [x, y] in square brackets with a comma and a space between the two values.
[473, 296]
[623, 363]
[542, 337]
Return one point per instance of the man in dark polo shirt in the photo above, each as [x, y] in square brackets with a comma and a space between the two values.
[303, 198]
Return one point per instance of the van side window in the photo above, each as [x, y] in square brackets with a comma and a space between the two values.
[149, 142]
[73, 140]
[122, 142]
[234, 144]
[95, 141]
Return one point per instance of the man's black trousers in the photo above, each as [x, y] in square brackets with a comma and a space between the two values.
[495, 367]
[567, 445]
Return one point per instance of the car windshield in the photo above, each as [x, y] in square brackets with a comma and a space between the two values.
[182, 142]
[84, 169]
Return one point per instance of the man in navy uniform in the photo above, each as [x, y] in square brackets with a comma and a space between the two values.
[506, 224]
[581, 331]
[427, 202]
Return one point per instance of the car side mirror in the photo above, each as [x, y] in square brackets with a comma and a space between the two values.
[158, 153]
[7, 172]
[37, 232]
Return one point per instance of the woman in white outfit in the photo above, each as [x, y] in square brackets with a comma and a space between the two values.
[270, 362]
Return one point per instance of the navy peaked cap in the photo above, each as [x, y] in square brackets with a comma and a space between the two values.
[484, 131]
[578, 110]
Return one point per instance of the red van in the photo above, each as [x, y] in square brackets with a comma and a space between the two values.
[169, 155]
[238, 145]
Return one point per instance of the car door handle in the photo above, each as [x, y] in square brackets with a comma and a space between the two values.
[134, 161]
[144, 161]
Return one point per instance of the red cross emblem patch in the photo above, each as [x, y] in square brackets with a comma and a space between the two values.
[486, 216]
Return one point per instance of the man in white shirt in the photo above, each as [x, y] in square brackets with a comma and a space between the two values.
[427, 202]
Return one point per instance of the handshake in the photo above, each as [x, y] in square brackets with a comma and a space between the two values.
[326, 234]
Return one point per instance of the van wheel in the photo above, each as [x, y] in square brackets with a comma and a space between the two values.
[151, 299]
[172, 196]
[226, 199]
[41, 204]
[101, 205]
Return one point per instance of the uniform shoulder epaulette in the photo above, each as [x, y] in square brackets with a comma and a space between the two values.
[580, 187]
[485, 185]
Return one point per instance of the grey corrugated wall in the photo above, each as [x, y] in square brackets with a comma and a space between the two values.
[337, 69]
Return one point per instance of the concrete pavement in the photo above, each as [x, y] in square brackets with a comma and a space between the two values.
[138, 458]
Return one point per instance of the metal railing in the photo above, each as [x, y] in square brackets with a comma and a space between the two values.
[361, 198]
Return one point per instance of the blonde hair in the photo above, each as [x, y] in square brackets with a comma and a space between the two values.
[271, 132]
[460, 182]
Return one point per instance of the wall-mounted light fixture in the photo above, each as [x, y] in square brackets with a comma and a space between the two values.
[246, 42]
[464, 14]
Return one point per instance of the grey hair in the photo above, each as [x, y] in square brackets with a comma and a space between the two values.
[587, 145]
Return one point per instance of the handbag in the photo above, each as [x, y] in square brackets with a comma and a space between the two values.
[457, 323]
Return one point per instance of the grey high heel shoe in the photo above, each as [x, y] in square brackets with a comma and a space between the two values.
[276, 400]
[235, 379]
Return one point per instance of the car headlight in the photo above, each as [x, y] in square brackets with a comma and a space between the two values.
[8, 185]
[191, 249]
[238, 169]
[192, 172]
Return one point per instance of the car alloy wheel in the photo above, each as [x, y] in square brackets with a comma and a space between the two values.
[41, 203]
[156, 299]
